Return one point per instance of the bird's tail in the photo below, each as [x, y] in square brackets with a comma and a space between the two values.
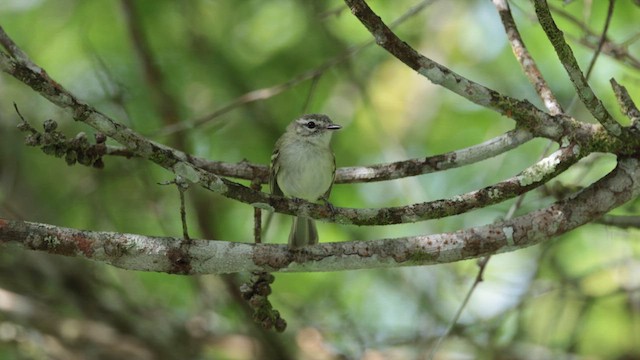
[303, 232]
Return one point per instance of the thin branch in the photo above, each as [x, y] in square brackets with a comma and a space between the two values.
[371, 173]
[522, 111]
[525, 59]
[257, 215]
[182, 188]
[482, 264]
[164, 254]
[253, 96]
[610, 48]
[603, 38]
[568, 60]
[271, 91]
[421, 166]
[623, 222]
[165, 103]
[385, 171]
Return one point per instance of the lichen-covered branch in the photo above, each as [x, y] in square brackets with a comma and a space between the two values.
[522, 111]
[568, 60]
[178, 162]
[525, 59]
[528, 179]
[368, 173]
[164, 254]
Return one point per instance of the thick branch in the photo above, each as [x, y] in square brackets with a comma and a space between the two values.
[268, 92]
[371, 173]
[450, 160]
[137, 252]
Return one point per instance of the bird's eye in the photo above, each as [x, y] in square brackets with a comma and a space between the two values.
[311, 125]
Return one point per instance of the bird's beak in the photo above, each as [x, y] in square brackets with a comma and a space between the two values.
[334, 127]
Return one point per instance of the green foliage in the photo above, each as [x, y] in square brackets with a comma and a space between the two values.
[560, 296]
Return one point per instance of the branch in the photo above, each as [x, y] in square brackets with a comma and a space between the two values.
[271, 91]
[522, 111]
[592, 40]
[164, 254]
[371, 173]
[178, 163]
[386, 171]
[603, 38]
[421, 166]
[568, 60]
[620, 221]
[165, 103]
[523, 56]
[528, 179]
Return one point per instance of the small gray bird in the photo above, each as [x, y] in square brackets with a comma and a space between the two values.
[303, 166]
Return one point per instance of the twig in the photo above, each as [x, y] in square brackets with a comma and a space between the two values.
[268, 92]
[627, 105]
[482, 264]
[603, 39]
[156, 85]
[257, 215]
[182, 187]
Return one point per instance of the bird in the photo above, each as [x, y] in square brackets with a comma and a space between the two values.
[303, 166]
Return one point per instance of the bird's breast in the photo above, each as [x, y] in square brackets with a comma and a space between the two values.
[306, 174]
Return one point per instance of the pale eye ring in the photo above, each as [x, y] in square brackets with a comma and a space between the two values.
[311, 125]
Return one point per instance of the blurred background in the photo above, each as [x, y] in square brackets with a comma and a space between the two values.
[187, 73]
